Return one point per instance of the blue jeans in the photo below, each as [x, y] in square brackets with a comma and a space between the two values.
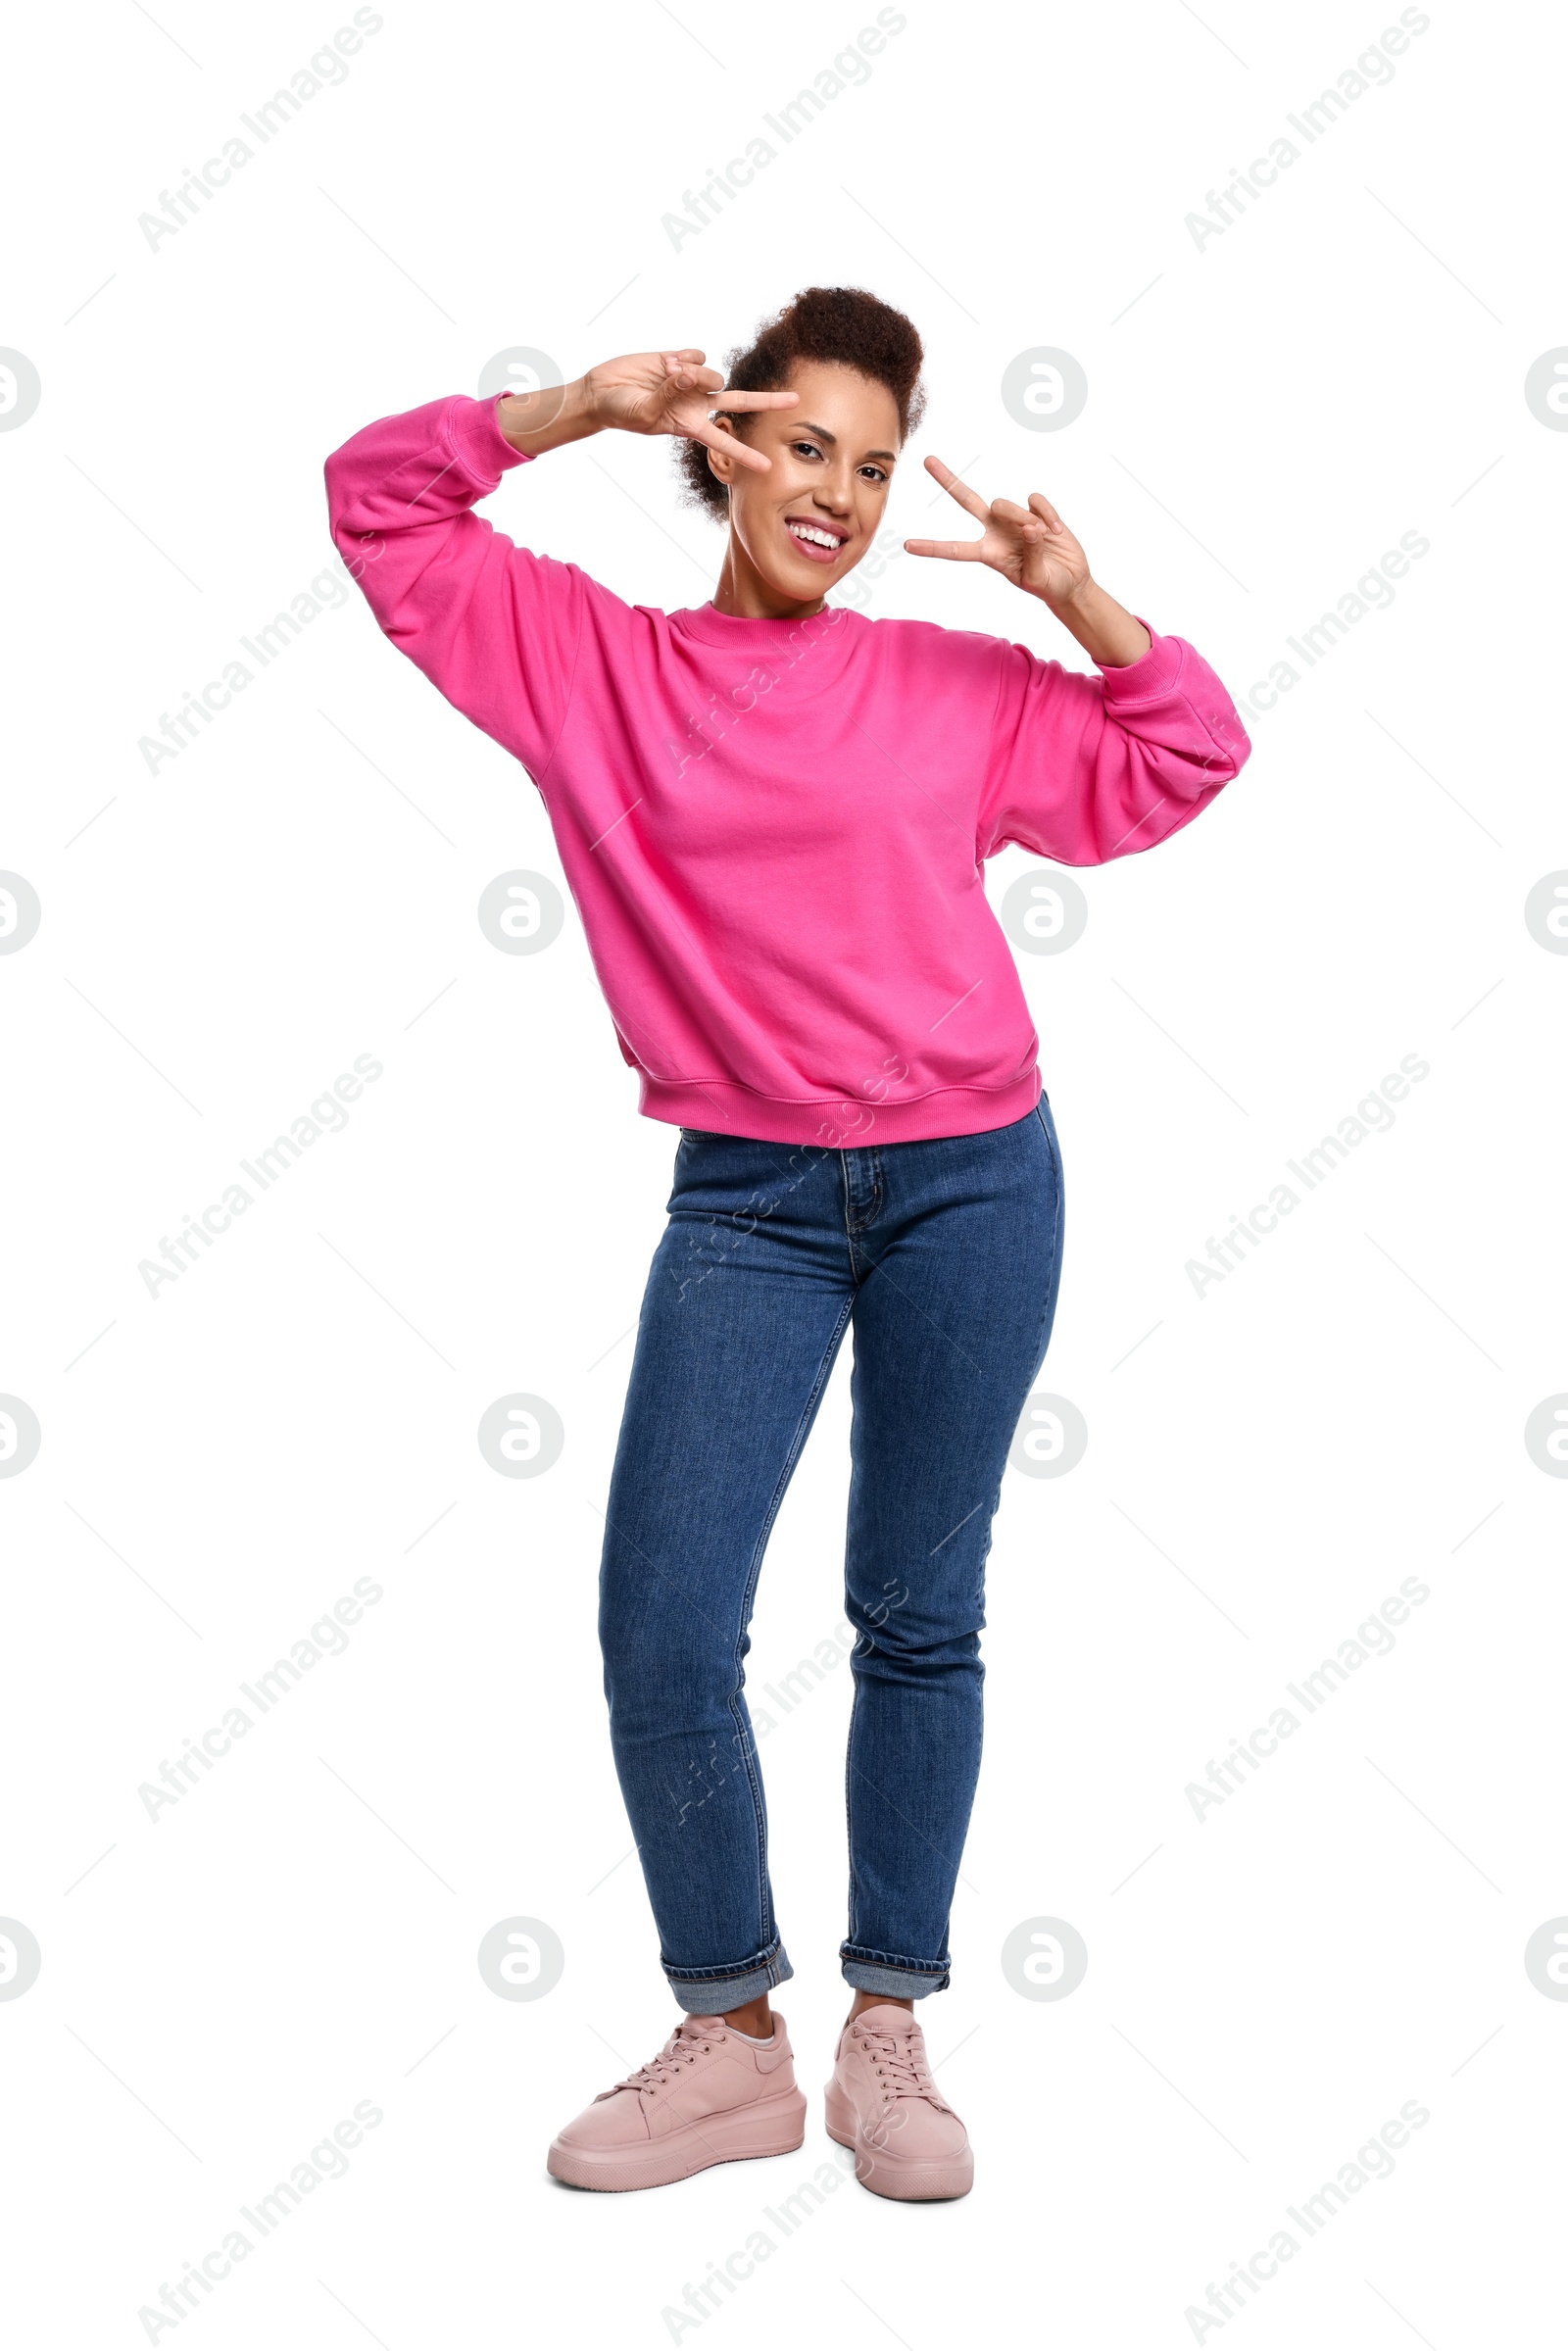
[945, 1256]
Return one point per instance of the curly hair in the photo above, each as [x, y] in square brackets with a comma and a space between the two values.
[841, 325]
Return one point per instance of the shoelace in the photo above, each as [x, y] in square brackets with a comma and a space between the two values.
[900, 2064]
[683, 2048]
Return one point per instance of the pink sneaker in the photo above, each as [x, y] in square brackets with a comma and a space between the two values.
[883, 2102]
[709, 2096]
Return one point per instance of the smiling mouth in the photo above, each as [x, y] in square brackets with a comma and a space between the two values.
[815, 540]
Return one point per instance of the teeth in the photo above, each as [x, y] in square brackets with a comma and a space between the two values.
[818, 538]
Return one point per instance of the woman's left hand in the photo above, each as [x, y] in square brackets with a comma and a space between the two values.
[1031, 545]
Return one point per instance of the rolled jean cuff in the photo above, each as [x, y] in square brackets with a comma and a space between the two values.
[710, 1991]
[895, 1978]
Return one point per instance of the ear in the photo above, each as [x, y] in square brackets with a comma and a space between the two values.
[719, 462]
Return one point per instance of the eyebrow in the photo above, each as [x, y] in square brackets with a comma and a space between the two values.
[832, 440]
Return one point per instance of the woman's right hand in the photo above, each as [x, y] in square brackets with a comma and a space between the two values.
[648, 392]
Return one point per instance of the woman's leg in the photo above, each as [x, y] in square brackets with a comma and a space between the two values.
[746, 1302]
[958, 1249]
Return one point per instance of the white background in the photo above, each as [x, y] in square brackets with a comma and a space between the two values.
[1267, 416]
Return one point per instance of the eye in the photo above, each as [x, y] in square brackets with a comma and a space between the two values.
[874, 473]
[806, 449]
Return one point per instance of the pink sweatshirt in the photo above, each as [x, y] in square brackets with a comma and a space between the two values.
[774, 831]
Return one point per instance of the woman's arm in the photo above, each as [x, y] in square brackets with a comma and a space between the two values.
[494, 626]
[1084, 769]
[1079, 768]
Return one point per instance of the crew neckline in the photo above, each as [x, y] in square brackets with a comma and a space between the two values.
[714, 627]
[805, 657]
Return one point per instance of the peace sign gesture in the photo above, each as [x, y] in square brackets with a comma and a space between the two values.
[673, 392]
[1031, 546]
[644, 391]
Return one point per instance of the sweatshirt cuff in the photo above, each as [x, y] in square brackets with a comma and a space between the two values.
[1152, 674]
[479, 441]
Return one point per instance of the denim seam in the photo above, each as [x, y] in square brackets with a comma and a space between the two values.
[1057, 1239]
[725, 1975]
[849, 1217]
[875, 1209]
[745, 1743]
[849, 1949]
[848, 1770]
[851, 1225]
[1056, 1156]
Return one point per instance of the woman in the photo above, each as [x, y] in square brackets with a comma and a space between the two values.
[773, 815]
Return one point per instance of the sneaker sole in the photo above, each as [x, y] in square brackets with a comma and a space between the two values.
[742, 2134]
[882, 2173]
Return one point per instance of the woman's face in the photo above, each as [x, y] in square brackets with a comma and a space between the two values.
[805, 524]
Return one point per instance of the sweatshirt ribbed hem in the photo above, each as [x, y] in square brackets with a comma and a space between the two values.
[715, 1108]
